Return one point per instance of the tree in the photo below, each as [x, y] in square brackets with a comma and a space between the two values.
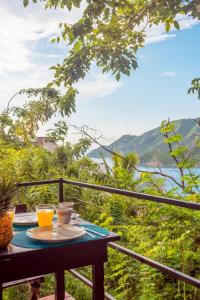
[195, 87]
[183, 157]
[110, 32]
[22, 123]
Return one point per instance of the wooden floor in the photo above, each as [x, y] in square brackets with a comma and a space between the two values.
[52, 297]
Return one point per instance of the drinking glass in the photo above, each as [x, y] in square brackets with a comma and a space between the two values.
[64, 214]
[11, 211]
[45, 213]
[66, 204]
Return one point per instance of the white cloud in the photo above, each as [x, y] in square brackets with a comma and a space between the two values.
[20, 32]
[158, 33]
[12, 83]
[17, 36]
[168, 74]
[24, 64]
[99, 86]
[13, 53]
[157, 38]
[186, 22]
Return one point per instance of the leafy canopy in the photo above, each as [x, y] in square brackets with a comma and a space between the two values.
[195, 87]
[22, 123]
[110, 32]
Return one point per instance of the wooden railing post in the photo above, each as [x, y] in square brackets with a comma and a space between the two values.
[60, 190]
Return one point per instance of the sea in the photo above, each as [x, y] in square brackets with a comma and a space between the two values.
[172, 171]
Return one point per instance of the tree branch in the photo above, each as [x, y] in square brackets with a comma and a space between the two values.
[83, 131]
[8, 105]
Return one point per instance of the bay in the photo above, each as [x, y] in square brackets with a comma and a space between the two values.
[171, 171]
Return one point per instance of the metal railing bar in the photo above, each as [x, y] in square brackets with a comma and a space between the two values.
[88, 282]
[165, 200]
[32, 183]
[21, 281]
[160, 267]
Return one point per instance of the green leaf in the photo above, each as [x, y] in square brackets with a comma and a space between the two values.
[25, 3]
[76, 3]
[178, 151]
[173, 139]
[176, 25]
[118, 76]
[167, 27]
[69, 4]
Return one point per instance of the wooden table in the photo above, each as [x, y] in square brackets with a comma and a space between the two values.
[18, 263]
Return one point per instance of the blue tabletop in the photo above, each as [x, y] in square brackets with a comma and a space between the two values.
[21, 239]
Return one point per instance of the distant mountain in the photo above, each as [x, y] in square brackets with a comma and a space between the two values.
[149, 145]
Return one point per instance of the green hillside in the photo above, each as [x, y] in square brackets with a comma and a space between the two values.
[149, 145]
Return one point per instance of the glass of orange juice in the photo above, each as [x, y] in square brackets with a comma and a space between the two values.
[45, 213]
[11, 211]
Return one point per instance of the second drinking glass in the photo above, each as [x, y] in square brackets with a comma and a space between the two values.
[45, 214]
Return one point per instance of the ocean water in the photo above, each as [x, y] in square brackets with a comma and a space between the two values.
[172, 171]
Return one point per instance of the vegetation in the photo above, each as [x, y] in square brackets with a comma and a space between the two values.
[166, 234]
[110, 34]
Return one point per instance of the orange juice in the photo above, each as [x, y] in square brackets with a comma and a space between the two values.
[45, 217]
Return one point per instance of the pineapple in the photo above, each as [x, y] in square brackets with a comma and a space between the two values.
[7, 190]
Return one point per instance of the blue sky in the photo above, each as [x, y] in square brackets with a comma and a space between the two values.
[156, 91]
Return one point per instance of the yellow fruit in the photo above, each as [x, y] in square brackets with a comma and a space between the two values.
[6, 232]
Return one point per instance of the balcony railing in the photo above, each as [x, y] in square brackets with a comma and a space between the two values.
[154, 264]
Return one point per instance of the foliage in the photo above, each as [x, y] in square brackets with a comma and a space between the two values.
[21, 292]
[195, 87]
[164, 233]
[122, 173]
[183, 158]
[110, 32]
[7, 190]
[21, 123]
[58, 133]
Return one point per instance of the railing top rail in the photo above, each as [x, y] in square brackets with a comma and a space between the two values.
[39, 182]
[156, 265]
[165, 200]
[142, 196]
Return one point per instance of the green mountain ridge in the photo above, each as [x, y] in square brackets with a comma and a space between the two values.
[150, 146]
